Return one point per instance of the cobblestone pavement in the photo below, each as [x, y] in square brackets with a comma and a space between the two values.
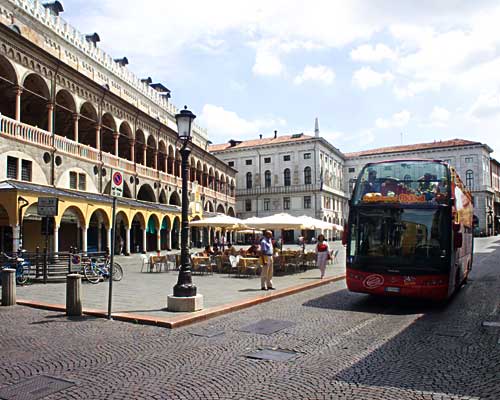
[145, 293]
[348, 346]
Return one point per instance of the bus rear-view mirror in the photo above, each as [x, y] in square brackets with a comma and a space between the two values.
[344, 235]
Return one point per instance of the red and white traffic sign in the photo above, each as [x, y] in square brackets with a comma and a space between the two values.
[116, 184]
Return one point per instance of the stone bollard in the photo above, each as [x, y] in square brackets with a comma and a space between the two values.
[73, 291]
[8, 287]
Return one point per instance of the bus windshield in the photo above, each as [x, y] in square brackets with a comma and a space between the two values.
[400, 238]
[403, 182]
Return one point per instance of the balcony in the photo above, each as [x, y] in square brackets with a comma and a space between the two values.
[24, 133]
[259, 190]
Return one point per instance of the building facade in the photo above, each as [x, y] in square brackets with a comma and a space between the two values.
[470, 159]
[70, 114]
[296, 174]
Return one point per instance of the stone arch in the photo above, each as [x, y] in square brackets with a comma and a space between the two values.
[211, 178]
[126, 190]
[209, 206]
[70, 222]
[124, 141]
[108, 129]
[165, 228]
[122, 226]
[146, 193]
[150, 152]
[204, 179]
[87, 125]
[65, 109]
[162, 156]
[6, 236]
[140, 143]
[34, 101]
[163, 197]
[97, 231]
[230, 212]
[171, 160]
[220, 209]
[137, 227]
[8, 83]
[175, 199]
[152, 228]
[176, 229]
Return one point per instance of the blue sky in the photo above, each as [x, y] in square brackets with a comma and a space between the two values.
[369, 70]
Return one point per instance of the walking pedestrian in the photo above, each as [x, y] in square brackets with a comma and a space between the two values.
[322, 254]
[267, 250]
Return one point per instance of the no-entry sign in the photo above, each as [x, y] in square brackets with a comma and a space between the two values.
[116, 184]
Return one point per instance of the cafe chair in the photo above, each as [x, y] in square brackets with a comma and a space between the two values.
[145, 263]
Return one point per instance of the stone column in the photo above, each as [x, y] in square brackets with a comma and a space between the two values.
[84, 239]
[98, 137]
[15, 237]
[18, 91]
[76, 117]
[144, 148]
[166, 164]
[131, 143]
[50, 120]
[127, 240]
[158, 240]
[116, 136]
[144, 240]
[108, 239]
[155, 159]
[169, 239]
[56, 238]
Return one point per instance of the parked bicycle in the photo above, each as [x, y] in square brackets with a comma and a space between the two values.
[22, 267]
[94, 270]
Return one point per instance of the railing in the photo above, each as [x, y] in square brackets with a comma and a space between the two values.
[30, 134]
[277, 189]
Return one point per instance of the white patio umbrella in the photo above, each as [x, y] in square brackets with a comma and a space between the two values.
[314, 223]
[340, 228]
[220, 221]
[276, 221]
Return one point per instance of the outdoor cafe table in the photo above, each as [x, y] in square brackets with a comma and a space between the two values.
[158, 262]
[246, 261]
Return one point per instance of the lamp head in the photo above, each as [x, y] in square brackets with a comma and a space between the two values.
[184, 124]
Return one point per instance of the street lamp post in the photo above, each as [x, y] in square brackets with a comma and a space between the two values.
[185, 297]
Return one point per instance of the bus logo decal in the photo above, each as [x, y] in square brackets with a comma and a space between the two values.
[373, 281]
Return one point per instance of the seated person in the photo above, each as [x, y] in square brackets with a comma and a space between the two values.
[253, 250]
[372, 185]
[231, 251]
[208, 251]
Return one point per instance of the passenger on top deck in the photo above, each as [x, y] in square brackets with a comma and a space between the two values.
[372, 185]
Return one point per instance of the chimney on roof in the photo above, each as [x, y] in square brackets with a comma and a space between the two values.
[275, 134]
[121, 61]
[260, 136]
[55, 7]
[147, 81]
[316, 128]
[93, 38]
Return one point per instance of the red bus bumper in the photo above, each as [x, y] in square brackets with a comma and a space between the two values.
[433, 287]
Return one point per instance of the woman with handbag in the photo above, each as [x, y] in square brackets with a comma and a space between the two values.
[322, 254]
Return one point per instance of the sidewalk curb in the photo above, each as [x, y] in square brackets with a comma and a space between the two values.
[189, 318]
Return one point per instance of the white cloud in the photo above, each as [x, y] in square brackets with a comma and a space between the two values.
[366, 78]
[414, 88]
[319, 73]
[486, 105]
[439, 116]
[397, 120]
[223, 124]
[267, 63]
[369, 53]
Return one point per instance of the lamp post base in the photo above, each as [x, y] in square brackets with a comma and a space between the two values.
[185, 304]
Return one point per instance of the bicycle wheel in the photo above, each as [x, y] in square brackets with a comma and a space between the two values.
[91, 274]
[117, 272]
[28, 273]
[21, 276]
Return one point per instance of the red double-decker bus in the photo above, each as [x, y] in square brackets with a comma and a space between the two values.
[409, 231]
